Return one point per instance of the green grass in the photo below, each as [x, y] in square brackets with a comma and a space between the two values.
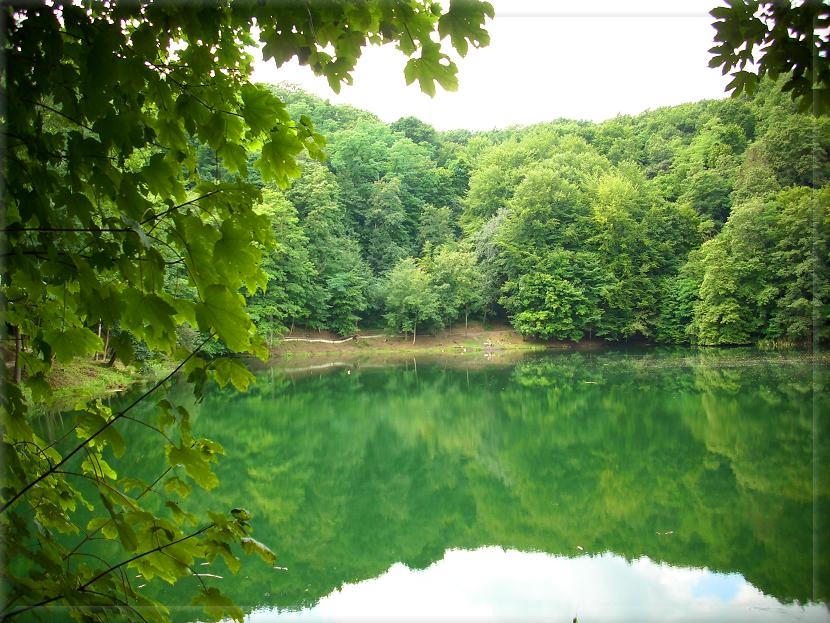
[83, 380]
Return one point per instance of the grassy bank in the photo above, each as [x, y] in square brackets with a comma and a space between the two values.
[83, 380]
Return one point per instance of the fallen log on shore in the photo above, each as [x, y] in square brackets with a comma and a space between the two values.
[320, 340]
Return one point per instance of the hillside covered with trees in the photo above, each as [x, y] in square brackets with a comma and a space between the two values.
[705, 223]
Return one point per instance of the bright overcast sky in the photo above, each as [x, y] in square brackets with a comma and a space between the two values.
[577, 59]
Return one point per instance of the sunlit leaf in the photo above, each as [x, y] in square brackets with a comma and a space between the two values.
[463, 22]
[252, 546]
[195, 463]
[223, 311]
[73, 342]
[233, 371]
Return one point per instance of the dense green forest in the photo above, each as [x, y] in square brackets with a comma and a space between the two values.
[705, 223]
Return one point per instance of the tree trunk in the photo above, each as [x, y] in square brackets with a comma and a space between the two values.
[18, 347]
[106, 344]
[414, 330]
[466, 314]
[95, 358]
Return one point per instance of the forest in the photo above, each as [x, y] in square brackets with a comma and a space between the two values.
[705, 223]
[156, 201]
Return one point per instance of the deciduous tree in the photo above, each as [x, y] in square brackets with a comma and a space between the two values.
[106, 107]
[410, 299]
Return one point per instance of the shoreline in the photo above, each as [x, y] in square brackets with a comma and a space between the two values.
[309, 350]
[451, 341]
[303, 351]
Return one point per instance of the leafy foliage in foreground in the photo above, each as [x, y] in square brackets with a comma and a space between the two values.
[116, 240]
[758, 38]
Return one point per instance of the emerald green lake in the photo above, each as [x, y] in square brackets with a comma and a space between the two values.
[610, 486]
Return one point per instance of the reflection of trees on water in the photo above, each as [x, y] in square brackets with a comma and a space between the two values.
[695, 460]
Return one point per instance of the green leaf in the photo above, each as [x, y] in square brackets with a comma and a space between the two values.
[40, 388]
[196, 464]
[463, 22]
[234, 371]
[217, 606]
[720, 12]
[261, 109]
[150, 317]
[97, 523]
[152, 610]
[179, 514]
[234, 157]
[241, 514]
[165, 411]
[90, 422]
[73, 342]
[236, 257]
[252, 546]
[277, 162]
[432, 67]
[223, 311]
[215, 548]
[176, 485]
[98, 468]
[742, 81]
[126, 534]
[160, 176]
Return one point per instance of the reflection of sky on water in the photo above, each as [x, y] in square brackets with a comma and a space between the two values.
[724, 587]
[491, 584]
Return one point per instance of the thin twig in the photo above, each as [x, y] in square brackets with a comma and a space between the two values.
[86, 585]
[121, 414]
[61, 113]
[176, 207]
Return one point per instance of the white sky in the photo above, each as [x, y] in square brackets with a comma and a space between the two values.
[577, 59]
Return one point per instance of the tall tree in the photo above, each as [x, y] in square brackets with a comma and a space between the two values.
[410, 300]
[797, 149]
[292, 277]
[436, 227]
[103, 198]
[416, 131]
[385, 181]
[620, 206]
[384, 227]
[765, 275]
[705, 169]
[554, 277]
[801, 267]
[456, 279]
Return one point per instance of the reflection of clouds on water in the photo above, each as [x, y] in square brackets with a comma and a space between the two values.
[491, 584]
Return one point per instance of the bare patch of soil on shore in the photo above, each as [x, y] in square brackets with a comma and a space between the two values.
[476, 342]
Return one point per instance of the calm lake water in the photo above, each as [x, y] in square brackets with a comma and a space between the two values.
[613, 486]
